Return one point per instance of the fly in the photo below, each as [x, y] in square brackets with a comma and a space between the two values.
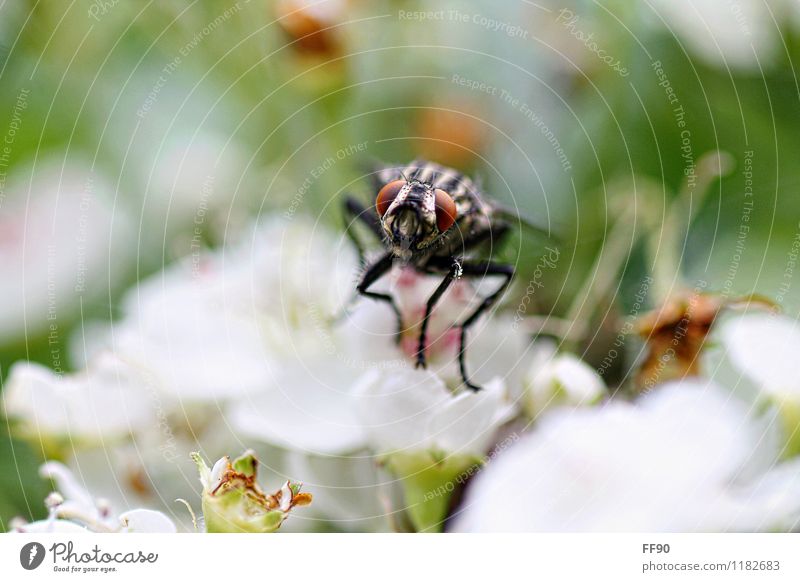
[432, 218]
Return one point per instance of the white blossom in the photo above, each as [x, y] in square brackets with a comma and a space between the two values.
[106, 401]
[78, 512]
[60, 241]
[741, 35]
[224, 324]
[688, 457]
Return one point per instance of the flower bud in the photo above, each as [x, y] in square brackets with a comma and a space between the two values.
[560, 380]
[233, 501]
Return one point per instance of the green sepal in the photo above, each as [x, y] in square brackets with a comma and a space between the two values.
[429, 480]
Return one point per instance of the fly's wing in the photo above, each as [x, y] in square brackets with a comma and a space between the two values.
[514, 218]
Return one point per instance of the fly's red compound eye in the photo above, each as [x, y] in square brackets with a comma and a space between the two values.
[387, 195]
[446, 212]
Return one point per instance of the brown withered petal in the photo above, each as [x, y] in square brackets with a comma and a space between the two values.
[676, 333]
[301, 499]
[309, 31]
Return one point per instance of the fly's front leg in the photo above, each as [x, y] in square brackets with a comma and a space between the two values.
[354, 210]
[453, 274]
[481, 269]
[372, 274]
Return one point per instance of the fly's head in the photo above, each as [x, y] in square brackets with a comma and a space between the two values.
[414, 215]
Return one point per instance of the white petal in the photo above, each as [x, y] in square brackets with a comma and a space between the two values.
[220, 327]
[397, 407]
[367, 336]
[764, 347]
[105, 401]
[498, 349]
[466, 424]
[561, 379]
[349, 491]
[286, 497]
[197, 340]
[51, 526]
[664, 464]
[771, 502]
[217, 474]
[69, 487]
[717, 427]
[311, 409]
[146, 521]
[34, 393]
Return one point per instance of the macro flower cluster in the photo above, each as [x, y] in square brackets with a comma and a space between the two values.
[249, 346]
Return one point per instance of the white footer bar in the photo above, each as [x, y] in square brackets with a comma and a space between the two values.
[355, 557]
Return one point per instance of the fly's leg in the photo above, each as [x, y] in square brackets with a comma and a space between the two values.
[481, 269]
[453, 274]
[372, 274]
[354, 210]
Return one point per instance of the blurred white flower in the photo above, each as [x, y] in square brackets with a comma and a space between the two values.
[246, 329]
[735, 33]
[74, 510]
[105, 402]
[559, 380]
[12, 13]
[193, 174]
[112, 425]
[215, 325]
[62, 241]
[687, 457]
[199, 339]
